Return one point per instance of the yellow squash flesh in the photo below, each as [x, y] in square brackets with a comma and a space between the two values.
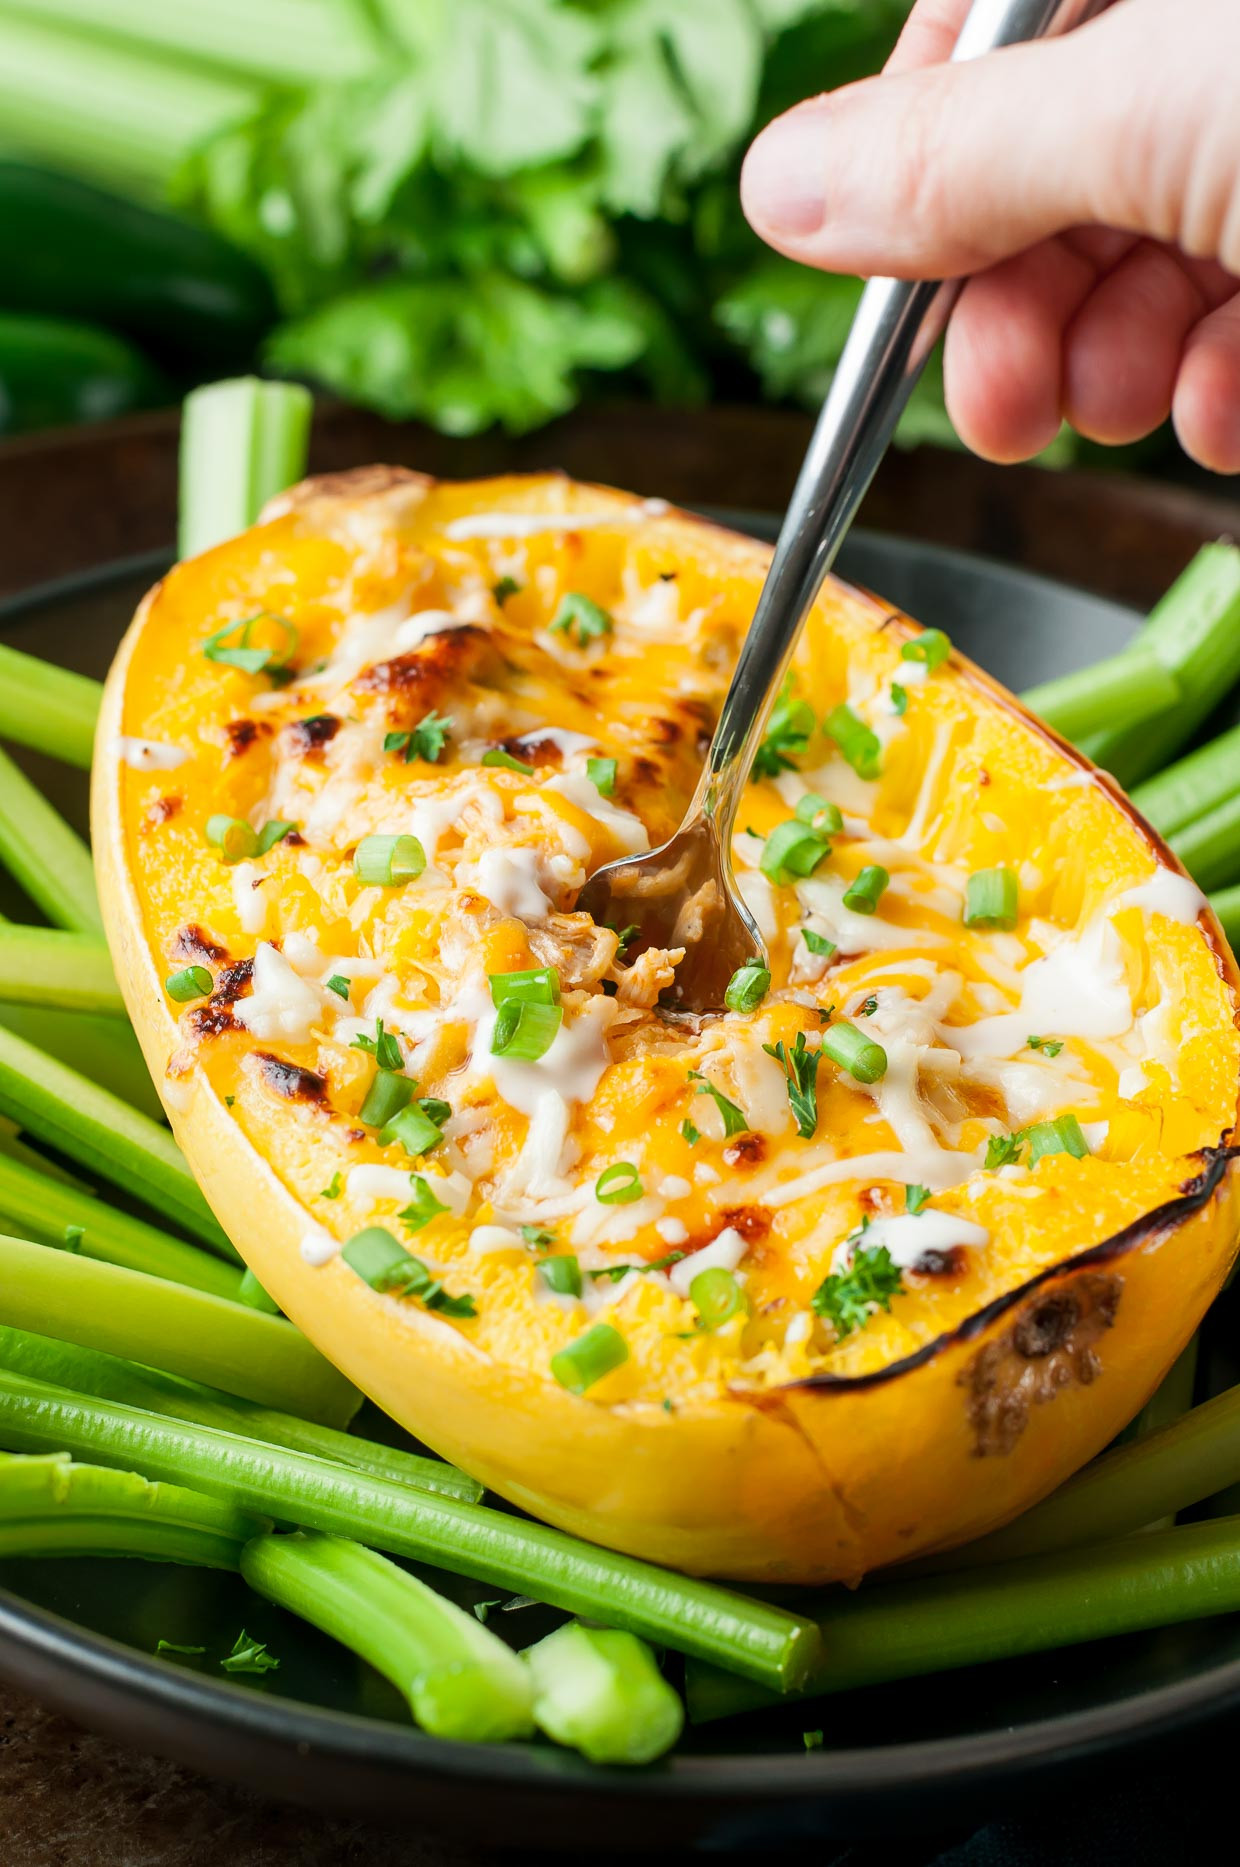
[1050, 1298]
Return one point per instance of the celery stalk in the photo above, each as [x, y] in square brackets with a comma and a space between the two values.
[50, 860]
[48, 708]
[107, 1377]
[51, 1507]
[96, 1130]
[242, 442]
[285, 41]
[37, 1206]
[168, 1326]
[751, 1637]
[52, 966]
[601, 1691]
[96, 1045]
[1209, 846]
[1176, 797]
[124, 118]
[913, 1628]
[1120, 691]
[460, 1681]
[1226, 904]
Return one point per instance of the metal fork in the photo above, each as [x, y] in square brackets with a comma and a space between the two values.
[684, 893]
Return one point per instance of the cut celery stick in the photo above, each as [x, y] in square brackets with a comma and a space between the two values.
[1209, 846]
[912, 1628]
[242, 442]
[96, 1130]
[1226, 904]
[601, 1691]
[107, 1377]
[52, 966]
[460, 1681]
[51, 1507]
[36, 1205]
[169, 1326]
[1117, 692]
[98, 1046]
[48, 708]
[123, 118]
[50, 860]
[1202, 781]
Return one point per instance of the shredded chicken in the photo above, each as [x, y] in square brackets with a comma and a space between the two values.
[579, 950]
[652, 973]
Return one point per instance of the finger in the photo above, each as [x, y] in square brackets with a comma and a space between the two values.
[1206, 404]
[1002, 364]
[947, 170]
[929, 35]
[1122, 350]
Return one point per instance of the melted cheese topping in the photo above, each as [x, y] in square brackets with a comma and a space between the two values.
[408, 617]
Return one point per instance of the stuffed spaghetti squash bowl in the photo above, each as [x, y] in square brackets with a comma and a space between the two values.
[856, 1269]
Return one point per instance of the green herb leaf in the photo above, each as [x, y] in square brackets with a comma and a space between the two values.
[221, 647]
[689, 1133]
[916, 1198]
[173, 1646]
[602, 775]
[818, 944]
[422, 1208]
[1049, 1046]
[581, 619]
[426, 740]
[383, 1047]
[847, 1299]
[334, 1187]
[1004, 1150]
[537, 1237]
[787, 735]
[249, 1656]
[800, 1068]
[735, 1120]
[505, 761]
[506, 587]
[899, 699]
[339, 985]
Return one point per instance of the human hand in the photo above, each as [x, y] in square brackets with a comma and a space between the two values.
[1090, 185]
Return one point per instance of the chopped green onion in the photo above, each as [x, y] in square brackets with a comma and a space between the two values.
[800, 1068]
[506, 587]
[793, 850]
[716, 1296]
[581, 619]
[249, 1656]
[916, 1198]
[415, 1128]
[540, 986]
[899, 699]
[242, 442]
[388, 1094]
[602, 775]
[847, 1299]
[506, 762]
[273, 831]
[422, 1208]
[864, 894]
[1049, 1046]
[585, 1361]
[191, 982]
[253, 1294]
[238, 654]
[853, 1051]
[537, 1237]
[992, 899]
[561, 1274]
[619, 1184]
[788, 731]
[435, 1109]
[1061, 1136]
[748, 986]
[525, 1032]
[339, 985]
[820, 814]
[689, 1133]
[817, 943]
[735, 1120]
[173, 1646]
[931, 647]
[601, 1691]
[383, 1263]
[233, 837]
[388, 861]
[334, 1187]
[859, 745]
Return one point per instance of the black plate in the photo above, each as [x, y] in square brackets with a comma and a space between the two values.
[326, 1729]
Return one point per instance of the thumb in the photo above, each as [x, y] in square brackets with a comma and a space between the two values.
[943, 171]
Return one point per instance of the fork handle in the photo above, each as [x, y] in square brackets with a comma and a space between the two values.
[897, 325]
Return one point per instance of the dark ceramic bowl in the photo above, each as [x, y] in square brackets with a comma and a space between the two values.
[325, 1729]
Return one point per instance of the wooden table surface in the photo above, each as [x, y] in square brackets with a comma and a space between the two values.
[72, 1799]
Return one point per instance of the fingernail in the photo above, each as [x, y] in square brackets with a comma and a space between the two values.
[782, 183]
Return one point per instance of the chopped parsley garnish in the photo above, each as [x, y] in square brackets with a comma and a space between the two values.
[817, 943]
[916, 1198]
[788, 733]
[231, 646]
[1004, 1150]
[174, 1646]
[422, 1208]
[506, 762]
[899, 698]
[1049, 1046]
[425, 740]
[624, 936]
[435, 1109]
[249, 1656]
[537, 1237]
[581, 619]
[333, 1188]
[614, 1272]
[602, 775]
[506, 587]
[383, 1047]
[847, 1299]
[869, 1008]
[735, 1120]
[859, 745]
[689, 1133]
[339, 985]
[800, 1068]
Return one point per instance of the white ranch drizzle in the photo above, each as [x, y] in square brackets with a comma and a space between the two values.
[529, 524]
[907, 1236]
